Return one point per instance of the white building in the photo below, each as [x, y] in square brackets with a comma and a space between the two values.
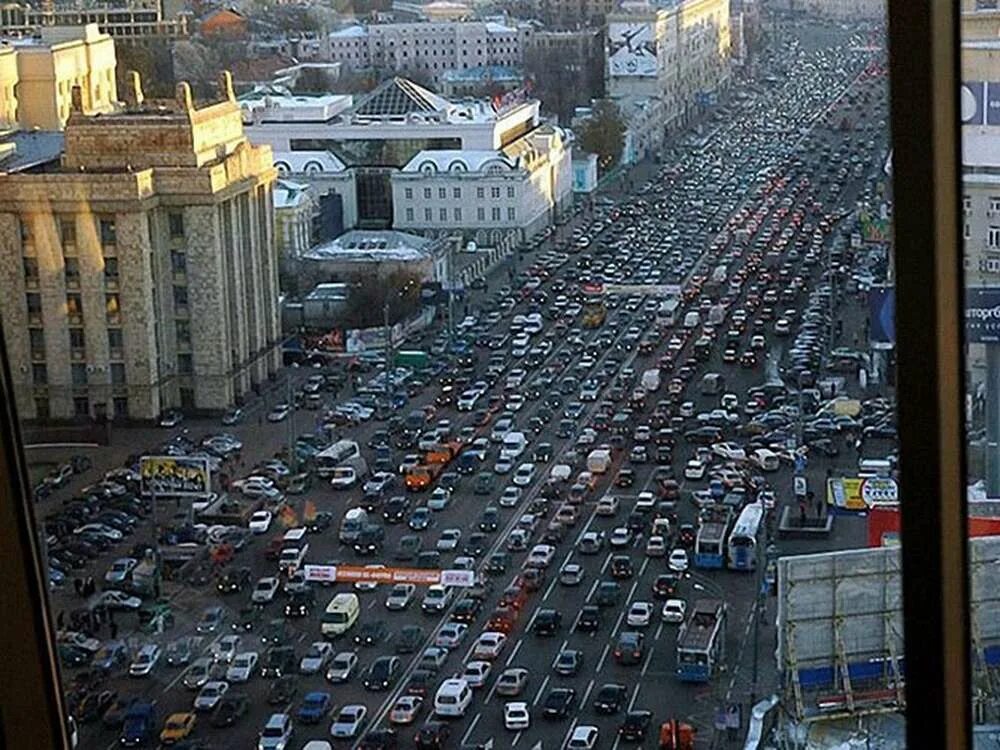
[295, 207]
[492, 174]
[428, 48]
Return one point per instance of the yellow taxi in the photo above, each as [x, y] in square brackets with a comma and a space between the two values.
[177, 727]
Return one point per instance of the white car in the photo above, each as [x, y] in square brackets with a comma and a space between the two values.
[695, 469]
[678, 560]
[265, 590]
[511, 496]
[607, 506]
[315, 658]
[514, 402]
[674, 610]
[620, 537]
[342, 667]
[451, 635]
[260, 521]
[504, 465]
[279, 413]
[400, 596]
[524, 475]
[405, 709]
[583, 738]
[541, 556]
[343, 478]
[765, 460]
[639, 614]
[101, 530]
[476, 673]
[225, 649]
[120, 569]
[656, 546]
[119, 600]
[729, 451]
[686, 409]
[349, 721]
[516, 716]
[440, 498]
[210, 695]
[145, 661]
[489, 645]
[448, 542]
[243, 666]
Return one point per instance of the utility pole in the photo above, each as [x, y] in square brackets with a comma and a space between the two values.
[290, 423]
[388, 350]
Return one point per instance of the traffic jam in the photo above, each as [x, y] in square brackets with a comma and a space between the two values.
[547, 528]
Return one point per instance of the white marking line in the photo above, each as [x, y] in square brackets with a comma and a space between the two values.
[607, 561]
[635, 694]
[593, 588]
[541, 689]
[642, 568]
[472, 726]
[649, 659]
[659, 630]
[551, 586]
[371, 604]
[517, 647]
[586, 694]
[516, 738]
[604, 655]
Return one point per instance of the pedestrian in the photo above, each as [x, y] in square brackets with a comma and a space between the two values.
[60, 619]
[113, 629]
[96, 613]
[90, 586]
[78, 586]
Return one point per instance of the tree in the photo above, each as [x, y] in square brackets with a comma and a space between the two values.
[152, 61]
[603, 133]
[366, 305]
[312, 81]
[197, 64]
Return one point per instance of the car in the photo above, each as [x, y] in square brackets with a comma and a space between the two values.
[607, 593]
[316, 657]
[607, 506]
[145, 661]
[621, 567]
[433, 735]
[476, 673]
[225, 649]
[260, 521]
[383, 672]
[265, 590]
[278, 661]
[665, 585]
[450, 635]
[230, 710]
[276, 734]
[568, 662]
[674, 610]
[656, 546]
[211, 620]
[177, 727]
[279, 412]
[610, 698]
[341, 667]
[516, 716]
[314, 707]
[678, 560]
[546, 622]
[371, 633]
[410, 638]
[489, 645]
[120, 570]
[559, 703]
[621, 536]
[243, 666]
[433, 658]
[571, 574]
[629, 648]
[639, 615]
[695, 469]
[584, 737]
[541, 556]
[400, 596]
[510, 497]
[420, 519]
[589, 619]
[448, 541]
[405, 709]
[210, 695]
[436, 599]
[198, 673]
[113, 599]
[349, 721]
[590, 543]
[635, 725]
[282, 690]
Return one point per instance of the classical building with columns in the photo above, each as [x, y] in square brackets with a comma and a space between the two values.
[138, 270]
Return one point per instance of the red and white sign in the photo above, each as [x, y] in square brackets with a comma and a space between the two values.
[361, 574]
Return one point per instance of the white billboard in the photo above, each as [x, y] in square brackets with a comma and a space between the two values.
[632, 49]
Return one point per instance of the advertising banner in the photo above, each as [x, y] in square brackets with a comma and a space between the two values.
[856, 495]
[632, 49]
[362, 574]
[882, 317]
[972, 102]
[175, 476]
[982, 315]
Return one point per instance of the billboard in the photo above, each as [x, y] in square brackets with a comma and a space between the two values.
[980, 102]
[882, 317]
[632, 49]
[857, 495]
[982, 315]
[363, 574]
[175, 475]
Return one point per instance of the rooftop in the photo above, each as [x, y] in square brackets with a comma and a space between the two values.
[368, 246]
[482, 74]
[22, 150]
[398, 97]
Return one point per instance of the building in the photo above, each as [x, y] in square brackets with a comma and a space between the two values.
[480, 82]
[664, 64]
[428, 49]
[361, 254]
[135, 20]
[37, 76]
[296, 207]
[574, 14]
[843, 10]
[495, 171]
[577, 79]
[445, 10]
[224, 23]
[139, 271]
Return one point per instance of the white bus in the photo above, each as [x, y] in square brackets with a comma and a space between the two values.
[342, 453]
[743, 538]
[668, 311]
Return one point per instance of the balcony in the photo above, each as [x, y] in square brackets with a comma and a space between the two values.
[75, 319]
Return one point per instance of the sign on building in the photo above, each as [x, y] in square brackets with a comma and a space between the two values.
[174, 475]
[882, 317]
[854, 494]
[982, 315]
[632, 49]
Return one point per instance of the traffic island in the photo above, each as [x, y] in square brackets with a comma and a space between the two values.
[794, 526]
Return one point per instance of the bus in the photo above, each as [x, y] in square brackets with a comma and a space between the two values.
[594, 310]
[342, 453]
[710, 544]
[743, 538]
[668, 311]
[701, 641]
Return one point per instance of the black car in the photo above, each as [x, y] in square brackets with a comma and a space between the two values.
[279, 661]
[621, 567]
[320, 522]
[610, 698]
[379, 739]
[542, 453]
[247, 618]
[498, 563]
[233, 581]
[230, 709]
[589, 619]
[274, 632]
[625, 478]
[704, 436]
[433, 735]
[629, 648]
[665, 586]
[475, 545]
[383, 673]
[396, 509]
[490, 520]
[558, 703]
[635, 726]
[300, 604]
[282, 690]
[411, 637]
[547, 622]
[370, 633]
[607, 593]
[466, 610]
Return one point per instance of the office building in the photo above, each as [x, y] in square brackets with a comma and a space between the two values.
[139, 271]
[136, 20]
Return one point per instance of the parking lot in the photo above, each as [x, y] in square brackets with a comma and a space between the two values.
[555, 348]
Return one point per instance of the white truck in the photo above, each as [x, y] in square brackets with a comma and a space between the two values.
[716, 314]
[598, 461]
[651, 380]
[354, 521]
[513, 445]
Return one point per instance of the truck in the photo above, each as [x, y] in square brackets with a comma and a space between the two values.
[651, 380]
[414, 359]
[598, 461]
[350, 528]
[139, 726]
[716, 314]
[667, 312]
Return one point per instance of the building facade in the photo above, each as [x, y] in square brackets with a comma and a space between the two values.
[668, 62]
[131, 21]
[139, 270]
[844, 10]
[296, 206]
[37, 77]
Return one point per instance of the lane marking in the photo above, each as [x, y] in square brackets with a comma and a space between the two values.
[604, 655]
[472, 726]
[541, 689]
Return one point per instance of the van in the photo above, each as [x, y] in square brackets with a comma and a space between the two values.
[340, 615]
[599, 461]
[291, 558]
[692, 319]
[874, 467]
[452, 698]
[513, 445]
[354, 521]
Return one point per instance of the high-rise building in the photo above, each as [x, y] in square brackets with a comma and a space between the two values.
[138, 267]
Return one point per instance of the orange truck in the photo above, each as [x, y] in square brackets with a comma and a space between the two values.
[431, 466]
[676, 735]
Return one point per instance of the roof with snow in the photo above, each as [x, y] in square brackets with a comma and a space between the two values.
[289, 194]
[398, 97]
[365, 246]
[457, 160]
[307, 162]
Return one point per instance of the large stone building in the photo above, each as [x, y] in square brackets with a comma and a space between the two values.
[138, 270]
[135, 20]
[494, 170]
[663, 63]
[37, 76]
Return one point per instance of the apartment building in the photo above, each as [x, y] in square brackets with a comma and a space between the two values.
[138, 267]
[133, 20]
